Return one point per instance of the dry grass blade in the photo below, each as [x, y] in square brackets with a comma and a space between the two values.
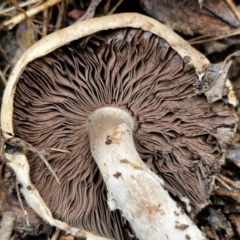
[25, 147]
[204, 39]
[30, 13]
[21, 5]
[44, 160]
[58, 150]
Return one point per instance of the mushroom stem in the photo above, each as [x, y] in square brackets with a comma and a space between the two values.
[132, 187]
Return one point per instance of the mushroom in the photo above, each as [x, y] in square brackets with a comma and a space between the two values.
[124, 95]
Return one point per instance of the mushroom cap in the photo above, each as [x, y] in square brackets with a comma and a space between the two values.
[135, 70]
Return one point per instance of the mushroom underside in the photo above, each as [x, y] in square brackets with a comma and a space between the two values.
[136, 71]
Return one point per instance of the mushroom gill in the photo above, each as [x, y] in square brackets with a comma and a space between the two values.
[140, 73]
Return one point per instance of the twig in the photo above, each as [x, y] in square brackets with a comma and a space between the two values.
[223, 183]
[45, 23]
[6, 68]
[90, 11]
[22, 4]
[204, 39]
[5, 55]
[20, 201]
[107, 6]
[56, 234]
[81, 5]
[115, 7]
[4, 80]
[17, 7]
[31, 12]
[234, 9]
[229, 181]
[3, 5]
[232, 194]
[60, 16]
[7, 224]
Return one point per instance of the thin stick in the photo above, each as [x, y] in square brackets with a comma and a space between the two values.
[17, 7]
[90, 11]
[46, 162]
[223, 183]
[229, 181]
[107, 6]
[115, 7]
[232, 194]
[204, 39]
[81, 5]
[5, 56]
[45, 23]
[56, 234]
[7, 224]
[6, 68]
[234, 9]
[4, 80]
[22, 4]
[60, 16]
[30, 13]
[20, 201]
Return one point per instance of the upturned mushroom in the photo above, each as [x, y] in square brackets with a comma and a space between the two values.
[130, 100]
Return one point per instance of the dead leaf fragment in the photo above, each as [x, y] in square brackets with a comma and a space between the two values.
[210, 19]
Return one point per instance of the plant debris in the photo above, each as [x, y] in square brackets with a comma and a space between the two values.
[213, 27]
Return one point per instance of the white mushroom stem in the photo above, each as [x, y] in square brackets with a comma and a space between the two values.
[132, 187]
